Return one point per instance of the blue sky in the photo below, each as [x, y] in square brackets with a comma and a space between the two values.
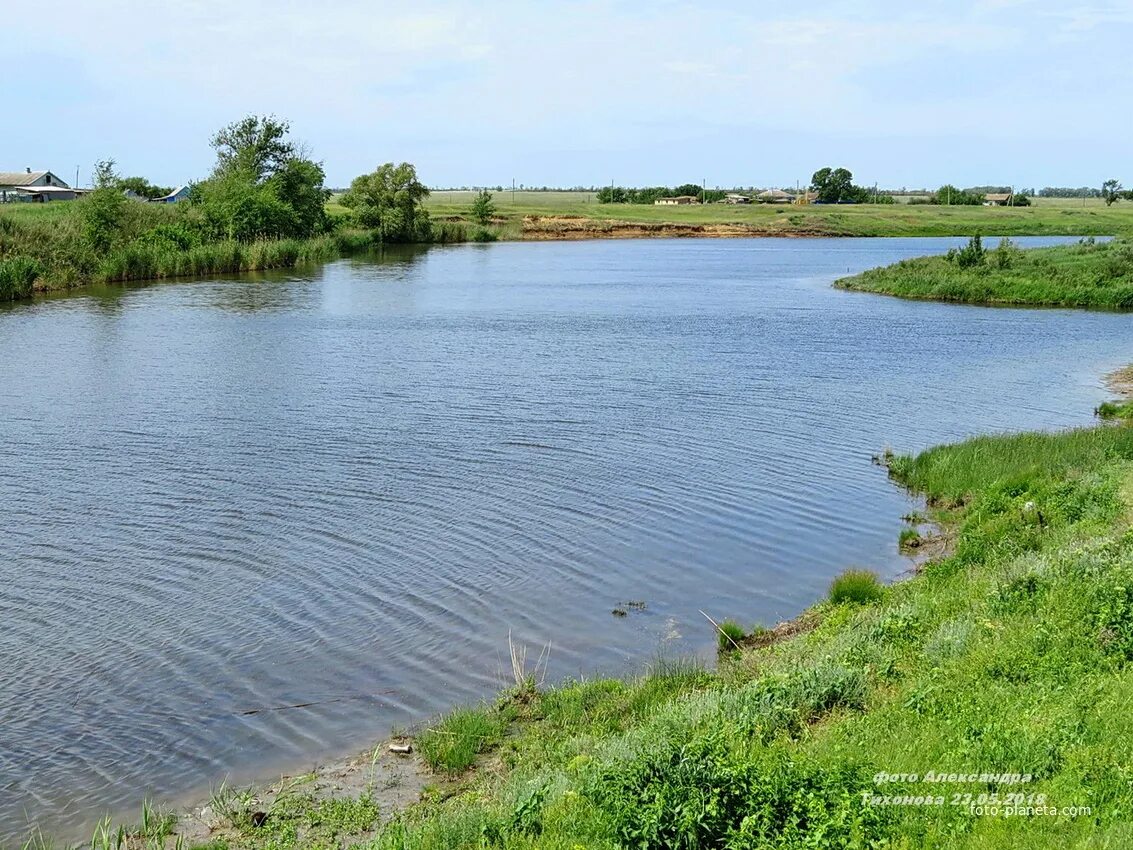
[1023, 92]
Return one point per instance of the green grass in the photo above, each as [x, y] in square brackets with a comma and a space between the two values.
[856, 587]
[729, 637]
[1051, 217]
[1086, 274]
[1115, 410]
[452, 744]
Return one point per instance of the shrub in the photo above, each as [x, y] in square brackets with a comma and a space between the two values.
[699, 793]
[971, 255]
[858, 587]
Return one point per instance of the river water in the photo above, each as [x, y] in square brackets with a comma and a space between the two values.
[345, 487]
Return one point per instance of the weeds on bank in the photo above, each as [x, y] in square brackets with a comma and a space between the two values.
[858, 587]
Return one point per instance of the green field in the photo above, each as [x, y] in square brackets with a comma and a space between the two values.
[1046, 217]
[1087, 274]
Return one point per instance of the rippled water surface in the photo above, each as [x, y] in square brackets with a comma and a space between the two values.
[345, 487]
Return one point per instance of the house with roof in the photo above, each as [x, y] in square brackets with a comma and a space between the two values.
[181, 193]
[679, 200]
[28, 185]
[998, 199]
[775, 196]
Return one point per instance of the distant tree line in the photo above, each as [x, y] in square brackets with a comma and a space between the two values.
[626, 195]
[1069, 192]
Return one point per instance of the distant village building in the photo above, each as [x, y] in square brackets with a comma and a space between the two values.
[678, 200]
[736, 198]
[181, 193]
[775, 196]
[998, 199]
[28, 185]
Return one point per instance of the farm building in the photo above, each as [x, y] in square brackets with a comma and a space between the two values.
[736, 198]
[998, 199]
[775, 196]
[23, 186]
[181, 193]
[679, 200]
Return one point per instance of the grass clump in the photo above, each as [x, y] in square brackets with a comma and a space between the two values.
[909, 540]
[729, 636]
[1122, 410]
[856, 587]
[452, 745]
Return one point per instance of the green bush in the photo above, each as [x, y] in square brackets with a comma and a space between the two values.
[858, 587]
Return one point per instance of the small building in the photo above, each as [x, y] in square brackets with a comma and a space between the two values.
[181, 193]
[735, 198]
[14, 185]
[42, 194]
[998, 199]
[679, 200]
[775, 196]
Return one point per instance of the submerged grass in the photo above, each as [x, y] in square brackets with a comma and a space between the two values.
[1088, 274]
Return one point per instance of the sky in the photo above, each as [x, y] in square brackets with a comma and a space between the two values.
[914, 94]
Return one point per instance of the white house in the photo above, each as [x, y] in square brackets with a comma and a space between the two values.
[21, 186]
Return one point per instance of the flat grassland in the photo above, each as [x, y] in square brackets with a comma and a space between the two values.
[577, 215]
[1088, 274]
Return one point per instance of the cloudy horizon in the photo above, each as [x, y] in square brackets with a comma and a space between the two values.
[1013, 92]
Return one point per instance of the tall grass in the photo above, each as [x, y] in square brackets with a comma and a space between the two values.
[47, 247]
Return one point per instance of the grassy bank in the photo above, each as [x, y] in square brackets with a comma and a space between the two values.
[981, 704]
[1087, 274]
[44, 247]
[571, 215]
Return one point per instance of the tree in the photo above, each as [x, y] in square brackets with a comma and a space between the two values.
[482, 208]
[390, 200]
[102, 208]
[255, 147]
[262, 186]
[1111, 192]
[143, 188]
[833, 185]
[299, 184]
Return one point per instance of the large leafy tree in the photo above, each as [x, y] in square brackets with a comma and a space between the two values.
[262, 185]
[833, 185]
[254, 148]
[390, 201]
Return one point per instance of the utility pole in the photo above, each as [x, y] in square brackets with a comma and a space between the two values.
[513, 191]
[76, 177]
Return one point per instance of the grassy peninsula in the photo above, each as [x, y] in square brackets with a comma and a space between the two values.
[980, 704]
[1088, 274]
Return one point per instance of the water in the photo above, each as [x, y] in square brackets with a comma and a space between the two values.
[346, 487]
